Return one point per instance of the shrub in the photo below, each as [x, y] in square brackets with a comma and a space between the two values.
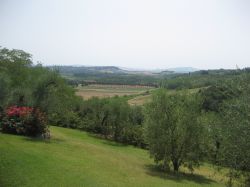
[26, 121]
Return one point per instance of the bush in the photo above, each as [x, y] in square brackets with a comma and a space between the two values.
[24, 121]
[70, 119]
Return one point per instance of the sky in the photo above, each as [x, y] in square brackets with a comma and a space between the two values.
[145, 34]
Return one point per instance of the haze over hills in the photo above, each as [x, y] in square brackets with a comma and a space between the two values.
[183, 69]
[87, 69]
[119, 70]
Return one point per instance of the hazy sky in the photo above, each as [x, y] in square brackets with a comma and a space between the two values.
[130, 33]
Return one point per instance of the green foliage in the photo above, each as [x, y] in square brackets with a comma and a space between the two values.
[227, 121]
[57, 99]
[211, 122]
[235, 132]
[25, 84]
[199, 79]
[214, 96]
[114, 119]
[4, 89]
[134, 130]
[24, 121]
[173, 132]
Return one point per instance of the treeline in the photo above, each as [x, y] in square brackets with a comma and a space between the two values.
[118, 78]
[198, 79]
[113, 81]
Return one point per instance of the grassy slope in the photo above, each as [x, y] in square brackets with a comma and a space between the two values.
[140, 100]
[143, 99]
[74, 158]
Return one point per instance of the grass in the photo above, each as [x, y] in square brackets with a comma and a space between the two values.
[140, 100]
[103, 91]
[145, 98]
[75, 158]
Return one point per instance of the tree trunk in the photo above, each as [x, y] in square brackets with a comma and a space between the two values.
[176, 165]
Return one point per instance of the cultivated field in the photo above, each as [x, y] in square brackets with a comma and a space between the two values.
[145, 98]
[140, 100]
[75, 158]
[104, 91]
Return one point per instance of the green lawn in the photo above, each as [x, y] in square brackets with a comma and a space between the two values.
[75, 158]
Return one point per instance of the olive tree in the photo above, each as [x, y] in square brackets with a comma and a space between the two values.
[173, 133]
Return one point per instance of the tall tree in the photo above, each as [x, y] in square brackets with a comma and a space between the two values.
[172, 130]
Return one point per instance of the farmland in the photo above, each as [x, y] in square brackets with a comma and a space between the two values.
[145, 98]
[139, 95]
[104, 91]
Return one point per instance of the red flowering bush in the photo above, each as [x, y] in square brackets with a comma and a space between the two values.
[15, 111]
[24, 121]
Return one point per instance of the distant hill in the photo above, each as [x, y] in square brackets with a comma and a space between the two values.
[118, 70]
[87, 69]
[182, 69]
[106, 75]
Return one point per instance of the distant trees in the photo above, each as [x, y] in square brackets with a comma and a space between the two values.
[199, 79]
[172, 130]
[117, 78]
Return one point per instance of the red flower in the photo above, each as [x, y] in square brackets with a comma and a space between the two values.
[18, 111]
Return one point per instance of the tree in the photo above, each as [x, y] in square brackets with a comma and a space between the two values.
[172, 130]
[215, 95]
[234, 151]
[15, 66]
[95, 113]
[24, 84]
[118, 120]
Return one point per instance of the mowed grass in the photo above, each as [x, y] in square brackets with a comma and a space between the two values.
[104, 91]
[75, 158]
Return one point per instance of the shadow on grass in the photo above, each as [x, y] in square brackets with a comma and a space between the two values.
[42, 140]
[115, 144]
[107, 141]
[152, 170]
